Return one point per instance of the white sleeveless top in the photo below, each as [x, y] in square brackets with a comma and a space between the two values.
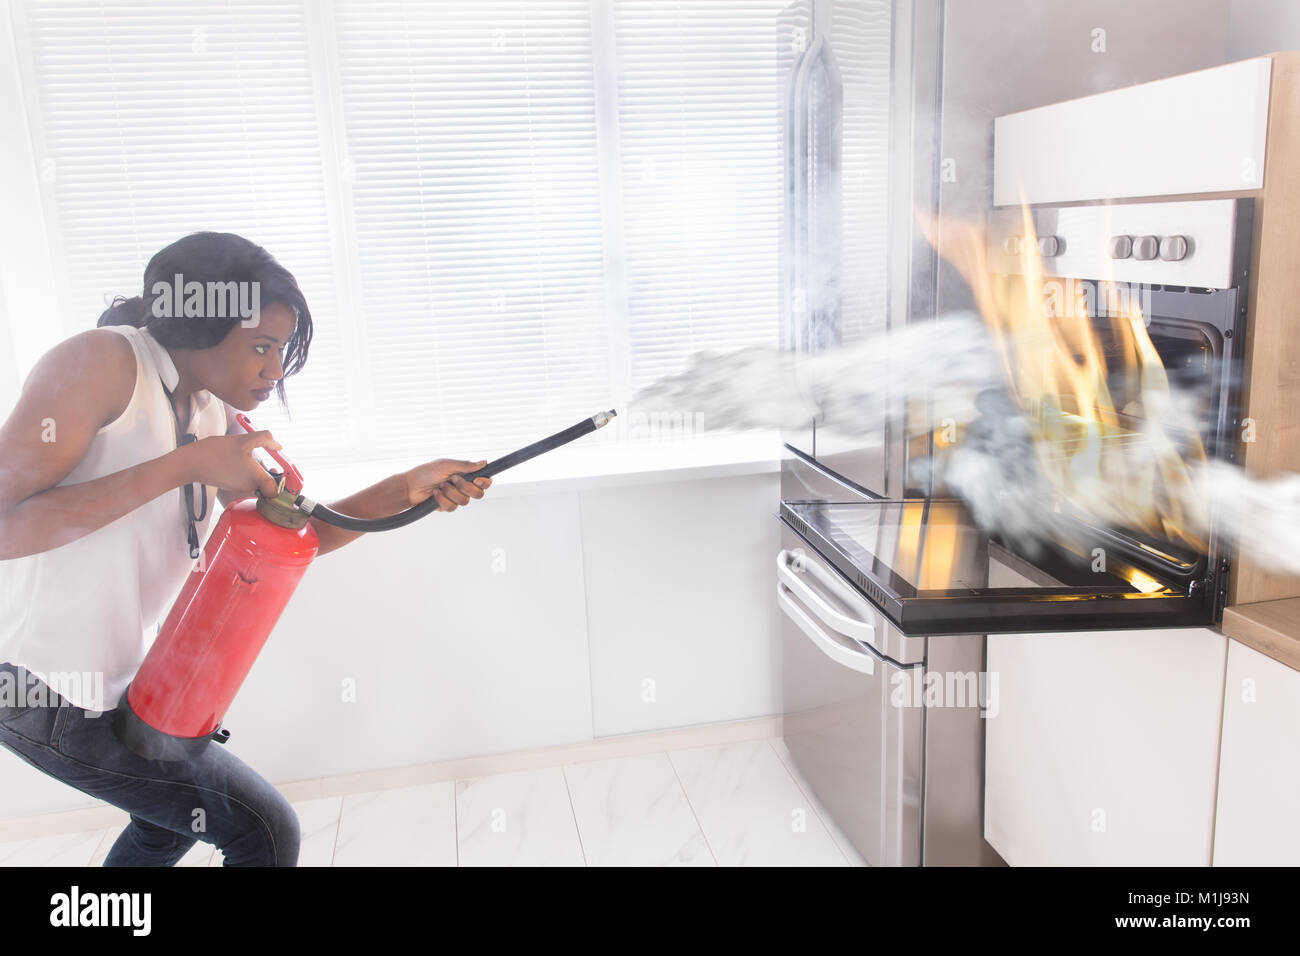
[81, 616]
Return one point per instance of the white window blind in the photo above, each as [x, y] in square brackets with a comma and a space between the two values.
[158, 119]
[471, 141]
[699, 134]
[506, 215]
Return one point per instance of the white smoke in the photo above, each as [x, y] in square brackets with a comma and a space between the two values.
[855, 388]
[1261, 516]
[950, 371]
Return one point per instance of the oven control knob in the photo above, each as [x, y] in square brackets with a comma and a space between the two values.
[1173, 248]
[1145, 247]
[1013, 245]
[1049, 246]
[1121, 247]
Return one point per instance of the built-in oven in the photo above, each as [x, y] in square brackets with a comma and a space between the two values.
[925, 561]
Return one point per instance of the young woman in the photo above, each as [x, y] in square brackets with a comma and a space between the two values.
[96, 541]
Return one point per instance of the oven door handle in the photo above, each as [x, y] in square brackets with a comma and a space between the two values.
[862, 631]
[861, 661]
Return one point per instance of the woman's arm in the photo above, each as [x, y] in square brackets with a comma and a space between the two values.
[440, 479]
[380, 500]
[55, 517]
[78, 387]
[388, 497]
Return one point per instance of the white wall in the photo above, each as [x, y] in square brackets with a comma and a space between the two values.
[10, 386]
[28, 288]
[1258, 27]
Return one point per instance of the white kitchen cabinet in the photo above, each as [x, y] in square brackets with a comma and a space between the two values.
[1052, 155]
[467, 634]
[1259, 773]
[461, 635]
[679, 632]
[1104, 747]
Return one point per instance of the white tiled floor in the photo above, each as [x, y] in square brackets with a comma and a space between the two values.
[738, 804]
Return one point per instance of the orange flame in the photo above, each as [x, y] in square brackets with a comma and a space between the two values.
[1110, 457]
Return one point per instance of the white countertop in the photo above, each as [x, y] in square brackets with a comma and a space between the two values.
[578, 467]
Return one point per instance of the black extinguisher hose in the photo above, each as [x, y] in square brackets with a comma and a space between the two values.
[348, 523]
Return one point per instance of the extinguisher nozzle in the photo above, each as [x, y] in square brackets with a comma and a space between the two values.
[491, 469]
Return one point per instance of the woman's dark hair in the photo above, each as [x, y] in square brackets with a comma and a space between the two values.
[219, 258]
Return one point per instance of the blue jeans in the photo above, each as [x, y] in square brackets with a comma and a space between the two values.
[214, 797]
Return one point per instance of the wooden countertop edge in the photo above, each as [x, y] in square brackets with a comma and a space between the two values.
[1270, 627]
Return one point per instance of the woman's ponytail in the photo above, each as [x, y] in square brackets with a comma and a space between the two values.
[124, 311]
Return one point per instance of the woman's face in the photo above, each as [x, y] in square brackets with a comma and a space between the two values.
[245, 367]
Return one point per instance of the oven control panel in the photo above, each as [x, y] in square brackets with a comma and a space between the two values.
[1169, 243]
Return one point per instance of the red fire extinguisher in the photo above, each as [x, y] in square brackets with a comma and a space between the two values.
[252, 563]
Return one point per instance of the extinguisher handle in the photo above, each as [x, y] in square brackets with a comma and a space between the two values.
[292, 476]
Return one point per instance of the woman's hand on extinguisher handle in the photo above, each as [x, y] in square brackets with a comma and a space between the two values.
[441, 479]
[227, 462]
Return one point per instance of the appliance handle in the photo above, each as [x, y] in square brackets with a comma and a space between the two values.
[861, 661]
[862, 631]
